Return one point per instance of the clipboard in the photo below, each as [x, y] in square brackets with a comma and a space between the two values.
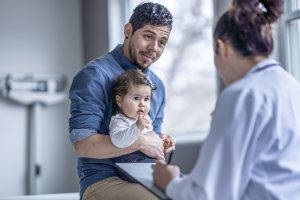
[141, 173]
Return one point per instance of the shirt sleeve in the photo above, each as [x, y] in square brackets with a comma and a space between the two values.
[188, 190]
[89, 100]
[158, 120]
[123, 132]
[224, 165]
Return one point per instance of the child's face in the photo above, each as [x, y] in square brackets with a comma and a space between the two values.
[136, 102]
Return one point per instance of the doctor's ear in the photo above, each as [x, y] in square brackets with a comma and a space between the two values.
[221, 47]
[216, 47]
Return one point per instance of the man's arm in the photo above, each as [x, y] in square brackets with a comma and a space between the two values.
[100, 146]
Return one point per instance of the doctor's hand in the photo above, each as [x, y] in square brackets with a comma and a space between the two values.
[163, 174]
[150, 144]
[169, 143]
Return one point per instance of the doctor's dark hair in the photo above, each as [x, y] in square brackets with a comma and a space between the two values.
[247, 26]
[123, 82]
[150, 14]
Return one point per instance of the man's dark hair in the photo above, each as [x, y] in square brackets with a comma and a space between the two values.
[150, 14]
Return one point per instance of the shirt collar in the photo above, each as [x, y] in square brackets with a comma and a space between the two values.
[122, 60]
[268, 62]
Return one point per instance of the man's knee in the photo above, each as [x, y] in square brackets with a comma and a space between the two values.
[114, 188]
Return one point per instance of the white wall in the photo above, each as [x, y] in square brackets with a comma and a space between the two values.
[42, 36]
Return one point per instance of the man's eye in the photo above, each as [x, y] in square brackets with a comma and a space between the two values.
[148, 37]
[162, 43]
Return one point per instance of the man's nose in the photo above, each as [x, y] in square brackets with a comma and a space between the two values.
[153, 46]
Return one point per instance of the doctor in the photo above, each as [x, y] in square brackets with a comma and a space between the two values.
[252, 151]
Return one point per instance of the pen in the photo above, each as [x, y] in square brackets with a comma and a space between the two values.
[170, 157]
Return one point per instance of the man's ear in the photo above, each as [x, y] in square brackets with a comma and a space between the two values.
[127, 30]
[119, 100]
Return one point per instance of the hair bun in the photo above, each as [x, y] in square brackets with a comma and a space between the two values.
[257, 11]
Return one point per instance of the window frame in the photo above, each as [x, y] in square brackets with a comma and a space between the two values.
[285, 41]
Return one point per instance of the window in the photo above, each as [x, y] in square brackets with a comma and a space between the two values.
[293, 5]
[291, 27]
[294, 33]
[186, 66]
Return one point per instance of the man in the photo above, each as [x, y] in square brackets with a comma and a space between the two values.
[146, 35]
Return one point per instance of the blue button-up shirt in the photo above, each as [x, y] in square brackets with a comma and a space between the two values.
[90, 96]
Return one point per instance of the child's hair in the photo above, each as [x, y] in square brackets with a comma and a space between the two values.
[124, 81]
[150, 14]
[247, 26]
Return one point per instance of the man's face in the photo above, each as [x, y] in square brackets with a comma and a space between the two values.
[146, 45]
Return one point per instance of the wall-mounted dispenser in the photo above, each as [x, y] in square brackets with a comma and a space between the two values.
[33, 91]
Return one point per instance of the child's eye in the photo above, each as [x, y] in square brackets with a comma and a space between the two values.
[135, 98]
[147, 99]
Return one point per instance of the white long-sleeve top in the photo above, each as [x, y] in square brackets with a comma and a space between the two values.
[124, 131]
[253, 149]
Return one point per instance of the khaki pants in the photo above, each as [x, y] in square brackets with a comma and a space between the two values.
[114, 188]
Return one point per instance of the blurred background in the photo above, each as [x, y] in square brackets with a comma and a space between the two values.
[57, 37]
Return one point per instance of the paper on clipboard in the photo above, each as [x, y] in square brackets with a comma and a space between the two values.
[142, 173]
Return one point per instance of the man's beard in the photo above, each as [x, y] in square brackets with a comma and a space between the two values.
[134, 61]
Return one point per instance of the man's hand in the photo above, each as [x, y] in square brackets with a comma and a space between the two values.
[150, 144]
[163, 174]
[169, 143]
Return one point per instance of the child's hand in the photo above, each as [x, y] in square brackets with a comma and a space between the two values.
[142, 123]
[169, 143]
